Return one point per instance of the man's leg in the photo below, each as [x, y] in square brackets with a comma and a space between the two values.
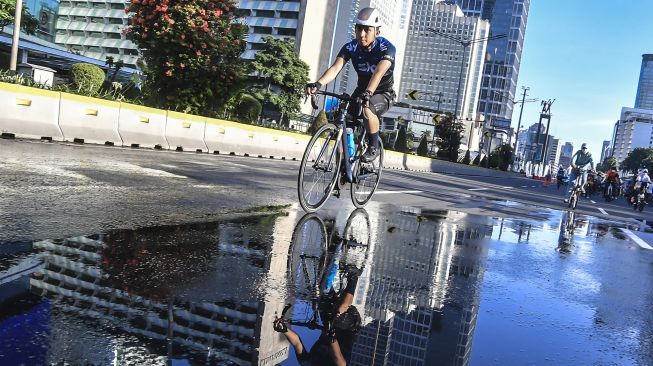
[378, 104]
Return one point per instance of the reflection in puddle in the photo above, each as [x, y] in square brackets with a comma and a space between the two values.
[407, 284]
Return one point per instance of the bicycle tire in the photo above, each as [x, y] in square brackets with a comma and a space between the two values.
[329, 133]
[361, 198]
[307, 255]
[358, 230]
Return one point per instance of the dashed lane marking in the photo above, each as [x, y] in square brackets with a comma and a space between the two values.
[637, 239]
[396, 192]
[593, 202]
[524, 186]
[478, 189]
[506, 187]
[602, 211]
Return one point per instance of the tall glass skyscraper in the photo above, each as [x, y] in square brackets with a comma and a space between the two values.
[501, 70]
[644, 98]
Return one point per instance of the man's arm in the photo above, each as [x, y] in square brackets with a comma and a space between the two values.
[336, 353]
[332, 71]
[381, 69]
[295, 341]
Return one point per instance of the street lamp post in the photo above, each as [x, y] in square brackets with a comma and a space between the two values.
[13, 61]
[464, 43]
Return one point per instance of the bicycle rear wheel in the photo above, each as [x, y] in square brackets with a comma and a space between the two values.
[366, 177]
[307, 256]
[319, 168]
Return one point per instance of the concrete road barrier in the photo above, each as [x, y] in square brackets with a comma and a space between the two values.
[142, 126]
[29, 112]
[89, 120]
[186, 132]
[241, 139]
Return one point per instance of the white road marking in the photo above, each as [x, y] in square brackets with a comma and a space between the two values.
[478, 189]
[396, 192]
[593, 203]
[636, 239]
[506, 187]
[602, 211]
[524, 186]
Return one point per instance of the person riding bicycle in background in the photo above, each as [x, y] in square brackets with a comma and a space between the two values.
[373, 58]
[560, 176]
[644, 181]
[580, 162]
[611, 179]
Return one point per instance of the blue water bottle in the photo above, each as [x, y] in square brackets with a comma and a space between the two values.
[351, 148]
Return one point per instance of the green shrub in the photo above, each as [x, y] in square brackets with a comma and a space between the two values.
[248, 109]
[401, 144]
[483, 161]
[477, 159]
[468, 158]
[86, 78]
[423, 148]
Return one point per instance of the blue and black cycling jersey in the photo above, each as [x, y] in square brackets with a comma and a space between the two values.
[365, 62]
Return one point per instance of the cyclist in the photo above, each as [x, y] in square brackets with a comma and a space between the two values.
[373, 58]
[643, 181]
[560, 176]
[335, 343]
[611, 179]
[579, 164]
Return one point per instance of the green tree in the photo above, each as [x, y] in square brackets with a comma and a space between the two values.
[450, 133]
[401, 144]
[468, 158]
[28, 23]
[281, 76]
[86, 78]
[423, 148]
[248, 109]
[483, 161]
[319, 121]
[638, 158]
[191, 50]
[477, 160]
[608, 163]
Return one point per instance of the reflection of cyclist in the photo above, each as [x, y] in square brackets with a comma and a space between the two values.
[566, 237]
[341, 321]
[373, 58]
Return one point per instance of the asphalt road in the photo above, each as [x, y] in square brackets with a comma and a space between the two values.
[55, 189]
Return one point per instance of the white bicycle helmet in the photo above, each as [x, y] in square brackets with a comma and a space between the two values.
[369, 17]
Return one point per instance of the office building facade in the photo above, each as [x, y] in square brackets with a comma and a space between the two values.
[94, 28]
[633, 129]
[501, 70]
[566, 153]
[644, 99]
[605, 150]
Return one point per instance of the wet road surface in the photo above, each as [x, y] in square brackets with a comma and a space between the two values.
[431, 287]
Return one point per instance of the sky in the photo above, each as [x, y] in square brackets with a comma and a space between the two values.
[587, 55]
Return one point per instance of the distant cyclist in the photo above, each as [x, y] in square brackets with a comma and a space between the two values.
[611, 179]
[373, 58]
[581, 163]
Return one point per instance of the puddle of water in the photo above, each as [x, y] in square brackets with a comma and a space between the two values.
[428, 287]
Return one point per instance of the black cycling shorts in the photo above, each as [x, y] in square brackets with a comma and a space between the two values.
[379, 103]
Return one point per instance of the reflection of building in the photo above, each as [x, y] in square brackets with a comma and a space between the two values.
[94, 28]
[152, 283]
[633, 129]
[416, 265]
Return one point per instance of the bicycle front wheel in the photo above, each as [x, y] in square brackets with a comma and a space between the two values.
[319, 168]
[366, 178]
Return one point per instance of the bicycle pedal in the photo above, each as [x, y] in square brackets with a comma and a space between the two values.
[336, 193]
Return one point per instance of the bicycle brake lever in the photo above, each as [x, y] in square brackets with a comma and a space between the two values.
[285, 309]
[314, 101]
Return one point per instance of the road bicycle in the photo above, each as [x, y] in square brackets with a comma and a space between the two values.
[319, 259]
[576, 191]
[333, 158]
